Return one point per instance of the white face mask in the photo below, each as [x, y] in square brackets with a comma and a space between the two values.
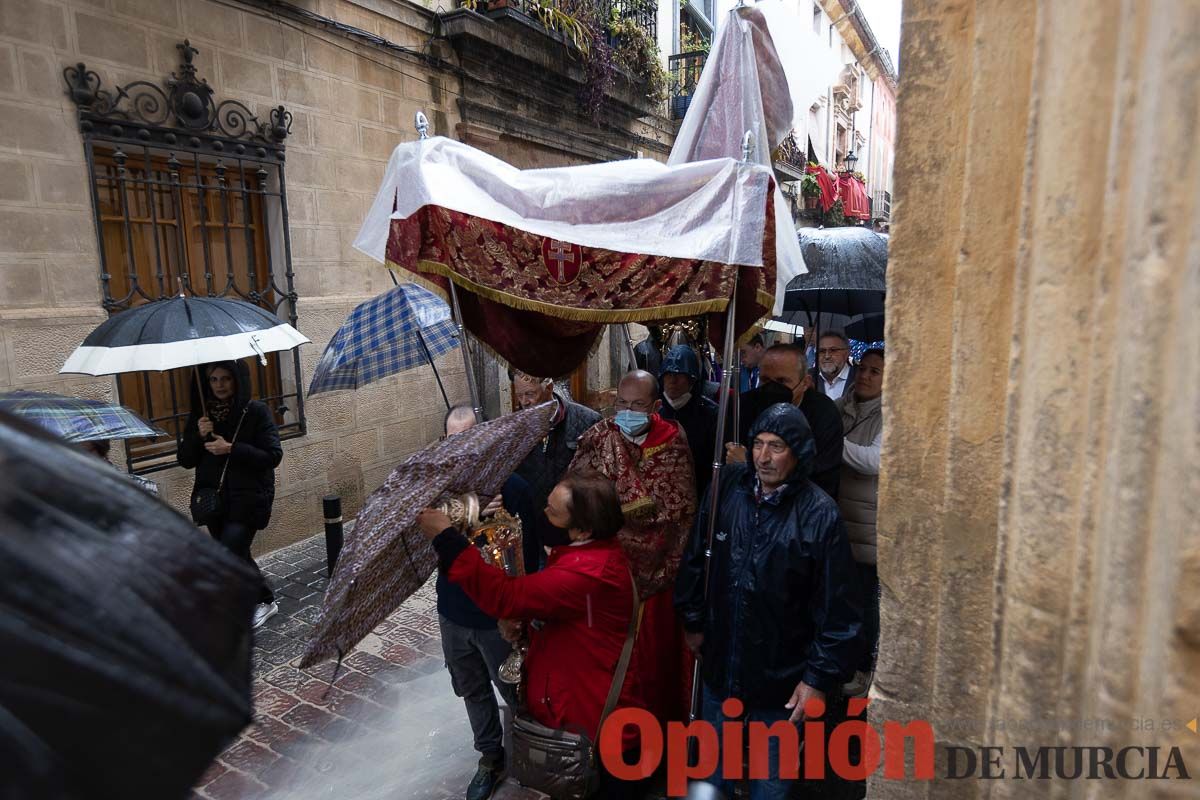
[679, 402]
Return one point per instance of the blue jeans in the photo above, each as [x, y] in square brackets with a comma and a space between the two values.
[773, 788]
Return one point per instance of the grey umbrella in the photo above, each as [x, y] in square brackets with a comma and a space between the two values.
[846, 274]
[125, 632]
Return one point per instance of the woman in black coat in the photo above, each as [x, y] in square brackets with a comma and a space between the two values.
[230, 433]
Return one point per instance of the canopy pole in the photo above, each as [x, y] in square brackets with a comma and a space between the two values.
[421, 123]
[466, 353]
[714, 486]
[629, 345]
[736, 400]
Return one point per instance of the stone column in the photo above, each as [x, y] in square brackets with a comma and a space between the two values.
[1039, 544]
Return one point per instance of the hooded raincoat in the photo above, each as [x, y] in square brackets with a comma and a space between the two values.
[783, 603]
[697, 417]
[249, 489]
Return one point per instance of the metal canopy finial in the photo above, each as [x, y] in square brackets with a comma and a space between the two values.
[422, 123]
[747, 146]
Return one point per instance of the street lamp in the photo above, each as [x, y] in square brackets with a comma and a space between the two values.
[850, 161]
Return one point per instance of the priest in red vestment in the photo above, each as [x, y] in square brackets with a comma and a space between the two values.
[649, 460]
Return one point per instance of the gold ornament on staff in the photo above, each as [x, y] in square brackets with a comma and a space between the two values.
[500, 541]
[463, 510]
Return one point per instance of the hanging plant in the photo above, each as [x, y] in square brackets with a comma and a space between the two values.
[575, 31]
[637, 54]
[691, 41]
[599, 72]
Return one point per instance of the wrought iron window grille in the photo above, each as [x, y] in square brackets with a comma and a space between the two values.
[187, 190]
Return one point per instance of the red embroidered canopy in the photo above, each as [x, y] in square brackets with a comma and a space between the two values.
[544, 258]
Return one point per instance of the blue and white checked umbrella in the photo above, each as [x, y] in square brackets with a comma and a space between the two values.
[403, 328]
[78, 420]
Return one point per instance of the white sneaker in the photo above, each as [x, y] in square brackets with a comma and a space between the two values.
[263, 612]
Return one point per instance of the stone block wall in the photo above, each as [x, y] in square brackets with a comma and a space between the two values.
[1040, 487]
[352, 104]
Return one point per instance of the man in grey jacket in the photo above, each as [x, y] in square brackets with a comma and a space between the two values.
[547, 462]
[858, 493]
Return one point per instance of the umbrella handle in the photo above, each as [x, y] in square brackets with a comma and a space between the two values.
[425, 347]
[200, 390]
[432, 366]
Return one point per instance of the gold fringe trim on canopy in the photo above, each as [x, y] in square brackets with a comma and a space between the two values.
[598, 315]
[614, 316]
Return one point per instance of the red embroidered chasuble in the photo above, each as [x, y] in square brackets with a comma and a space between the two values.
[657, 488]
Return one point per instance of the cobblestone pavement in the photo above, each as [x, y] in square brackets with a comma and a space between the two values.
[389, 727]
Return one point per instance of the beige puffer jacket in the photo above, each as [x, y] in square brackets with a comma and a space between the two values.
[858, 492]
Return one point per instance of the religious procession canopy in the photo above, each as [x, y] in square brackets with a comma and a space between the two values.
[544, 258]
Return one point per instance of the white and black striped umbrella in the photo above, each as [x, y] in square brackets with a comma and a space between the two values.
[181, 332]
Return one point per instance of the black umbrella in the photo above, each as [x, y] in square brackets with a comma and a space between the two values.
[846, 274]
[125, 632]
[864, 327]
[181, 332]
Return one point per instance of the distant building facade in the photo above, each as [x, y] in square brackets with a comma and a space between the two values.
[855, 114]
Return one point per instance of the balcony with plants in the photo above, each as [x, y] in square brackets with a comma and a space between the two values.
[685, 67]
[606, 48]
[789, 160]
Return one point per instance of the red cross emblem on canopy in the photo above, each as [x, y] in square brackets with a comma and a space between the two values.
[562, 260]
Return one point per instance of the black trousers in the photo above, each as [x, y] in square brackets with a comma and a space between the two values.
[238, 536]
[868, 577]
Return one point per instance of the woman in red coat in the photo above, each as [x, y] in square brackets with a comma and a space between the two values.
[583, 598]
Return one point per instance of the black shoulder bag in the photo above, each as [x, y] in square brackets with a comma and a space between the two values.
[207, 506]
[561, 763]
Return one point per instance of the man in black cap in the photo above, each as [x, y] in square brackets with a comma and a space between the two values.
[781, 621]
[684, 402]
[784, 379]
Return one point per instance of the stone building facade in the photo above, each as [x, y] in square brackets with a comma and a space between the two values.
[1040, 487]
[351, 74]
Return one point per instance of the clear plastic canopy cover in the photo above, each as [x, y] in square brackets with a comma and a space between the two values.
[713, 210]
[759, 76]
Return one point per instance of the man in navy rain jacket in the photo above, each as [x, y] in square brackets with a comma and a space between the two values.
[782, 622]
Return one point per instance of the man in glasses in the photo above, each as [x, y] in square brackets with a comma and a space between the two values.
[648, 459]
[834, 372]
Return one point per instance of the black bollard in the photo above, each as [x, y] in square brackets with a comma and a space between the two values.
[332, 504]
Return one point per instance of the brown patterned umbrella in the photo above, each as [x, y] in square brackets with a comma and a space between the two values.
[385, 558]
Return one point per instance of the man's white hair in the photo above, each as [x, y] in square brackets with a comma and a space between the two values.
[525, 376]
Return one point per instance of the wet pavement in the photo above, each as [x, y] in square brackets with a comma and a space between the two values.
[388, 727]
